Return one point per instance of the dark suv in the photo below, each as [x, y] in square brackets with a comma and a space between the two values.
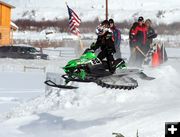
[21, 52]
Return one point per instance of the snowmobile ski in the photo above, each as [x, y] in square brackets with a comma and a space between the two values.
[142, 75]
[53, 84]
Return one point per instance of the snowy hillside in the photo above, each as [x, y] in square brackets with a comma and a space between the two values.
[167, 11]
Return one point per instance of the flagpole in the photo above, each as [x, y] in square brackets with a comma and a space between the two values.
[81, 44]
[106, 9]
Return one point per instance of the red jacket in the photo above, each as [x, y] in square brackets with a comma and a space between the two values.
[140, 34]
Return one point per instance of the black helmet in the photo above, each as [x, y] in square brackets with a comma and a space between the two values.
[111, 21]
[140, 19]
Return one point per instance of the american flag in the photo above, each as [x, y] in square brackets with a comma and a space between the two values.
[74, 22]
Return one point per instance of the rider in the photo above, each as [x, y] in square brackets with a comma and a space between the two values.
[106, 43]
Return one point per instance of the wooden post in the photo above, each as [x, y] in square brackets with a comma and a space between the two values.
[81, 44]
[11, 37]
[106, 9]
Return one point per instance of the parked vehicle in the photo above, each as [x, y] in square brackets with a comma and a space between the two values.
[24, 52]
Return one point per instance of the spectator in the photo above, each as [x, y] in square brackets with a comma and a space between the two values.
[132, 39]
[138, 35]
[117, 38]
[151, 34]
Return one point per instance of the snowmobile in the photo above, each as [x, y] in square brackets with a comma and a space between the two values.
[89, 68]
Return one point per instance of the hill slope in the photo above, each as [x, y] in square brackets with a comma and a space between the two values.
[160, 11]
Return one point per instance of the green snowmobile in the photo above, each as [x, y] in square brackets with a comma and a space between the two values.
[88, 68]
[89, 65]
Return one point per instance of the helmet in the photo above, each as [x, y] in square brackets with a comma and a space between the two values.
[111, 21]
[140, 19]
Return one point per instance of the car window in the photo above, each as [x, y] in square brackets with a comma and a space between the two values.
[32, 50]
[26, 50]
[18, 49]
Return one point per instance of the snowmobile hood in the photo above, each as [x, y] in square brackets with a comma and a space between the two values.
[72, 63]
[82, 60]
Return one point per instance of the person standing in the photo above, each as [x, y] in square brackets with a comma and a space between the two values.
[139, 39]
[151, 34]
[117, 39]
[132, 39]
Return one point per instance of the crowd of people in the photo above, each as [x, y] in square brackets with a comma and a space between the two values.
[141, 35]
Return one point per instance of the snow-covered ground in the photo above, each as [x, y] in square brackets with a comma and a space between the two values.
[89, 111]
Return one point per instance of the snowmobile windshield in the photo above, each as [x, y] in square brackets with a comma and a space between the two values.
[88, 55]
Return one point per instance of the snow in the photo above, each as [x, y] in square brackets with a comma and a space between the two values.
[27, 110]
[90, 111]
[91, 9]
[33, 35]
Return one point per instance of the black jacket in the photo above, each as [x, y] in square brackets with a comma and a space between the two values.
[140, 34]
[151, 34]
[105, 42]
